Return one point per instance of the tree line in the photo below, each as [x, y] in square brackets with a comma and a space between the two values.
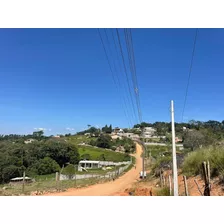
[37, 158]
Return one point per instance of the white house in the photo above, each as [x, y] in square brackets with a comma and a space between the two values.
[29, 141]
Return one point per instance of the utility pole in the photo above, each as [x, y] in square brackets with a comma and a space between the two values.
[175, 176]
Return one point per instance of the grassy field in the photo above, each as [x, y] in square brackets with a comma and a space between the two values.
[96, 153]
[79, 139]
[46, 185]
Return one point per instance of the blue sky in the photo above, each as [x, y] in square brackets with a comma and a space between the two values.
[59, 78]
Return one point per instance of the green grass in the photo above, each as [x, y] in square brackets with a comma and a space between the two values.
[47, 185]
[156, 150]
[79, 139]
[95, 154]
[163, 192]
[215, 156]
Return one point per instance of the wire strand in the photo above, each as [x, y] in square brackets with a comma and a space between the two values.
[189, 76]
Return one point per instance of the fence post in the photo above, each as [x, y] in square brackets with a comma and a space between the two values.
[209, 176]
[198, 187]
[206, 174]
[161, 178]
[170, 185]
[24, 175]
[185, 185]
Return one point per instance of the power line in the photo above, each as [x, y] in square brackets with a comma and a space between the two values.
[118, 81]
[131, 56]
[121, 71]
[111, 70]
[189, 76]
[129, 88]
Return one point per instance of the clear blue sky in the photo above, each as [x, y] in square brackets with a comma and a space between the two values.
[59, 78]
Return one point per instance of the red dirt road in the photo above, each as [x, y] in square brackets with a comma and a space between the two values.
[111, 188]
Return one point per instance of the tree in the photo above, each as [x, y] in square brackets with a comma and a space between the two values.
[9, 172]
[102, 157]
[46, 166]
[85, 157]
[60, 151]
[193, 139]
[69, 171]
[103, 141]
[38, 134]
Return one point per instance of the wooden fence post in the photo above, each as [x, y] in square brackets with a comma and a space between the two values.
[185, 186]
[161, 178]
[170, 185]
[206, 174]
[209, 176]
[24, 177]
[198, 187]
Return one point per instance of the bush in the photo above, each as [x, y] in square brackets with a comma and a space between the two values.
[215, 156]
[85, 157]
[104, 141]
[165, 191]
[9, 172]
[46, 166]
[163, 162]
[69, 171]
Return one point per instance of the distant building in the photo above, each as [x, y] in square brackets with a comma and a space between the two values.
[148, 132]
[19, 180]
[178, 140]
[29, 141]
[129, 135]
[91, 164]
[118, 130]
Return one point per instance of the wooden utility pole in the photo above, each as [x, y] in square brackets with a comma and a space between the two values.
[175, 176]
[185, 185]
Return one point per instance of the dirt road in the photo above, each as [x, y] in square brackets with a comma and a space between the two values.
[110, 188]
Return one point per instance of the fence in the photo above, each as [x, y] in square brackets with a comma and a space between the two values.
[110, 174]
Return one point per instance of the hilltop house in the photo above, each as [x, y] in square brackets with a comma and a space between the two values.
[148, 132]
[29, 141]
[118, 130]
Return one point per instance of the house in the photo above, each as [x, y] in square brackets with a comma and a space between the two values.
[129, 135]
[91, 164]
[29, 141]
[118, 130]
[178, 140]
[148, 132]
[19, 180]
[116, 137]
[120, 149]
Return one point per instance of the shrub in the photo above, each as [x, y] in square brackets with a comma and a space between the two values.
[69, 171]
[215, 156]
[163, 192]
[46, 166]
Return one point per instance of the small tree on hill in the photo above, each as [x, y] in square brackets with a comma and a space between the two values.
[69, 171]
